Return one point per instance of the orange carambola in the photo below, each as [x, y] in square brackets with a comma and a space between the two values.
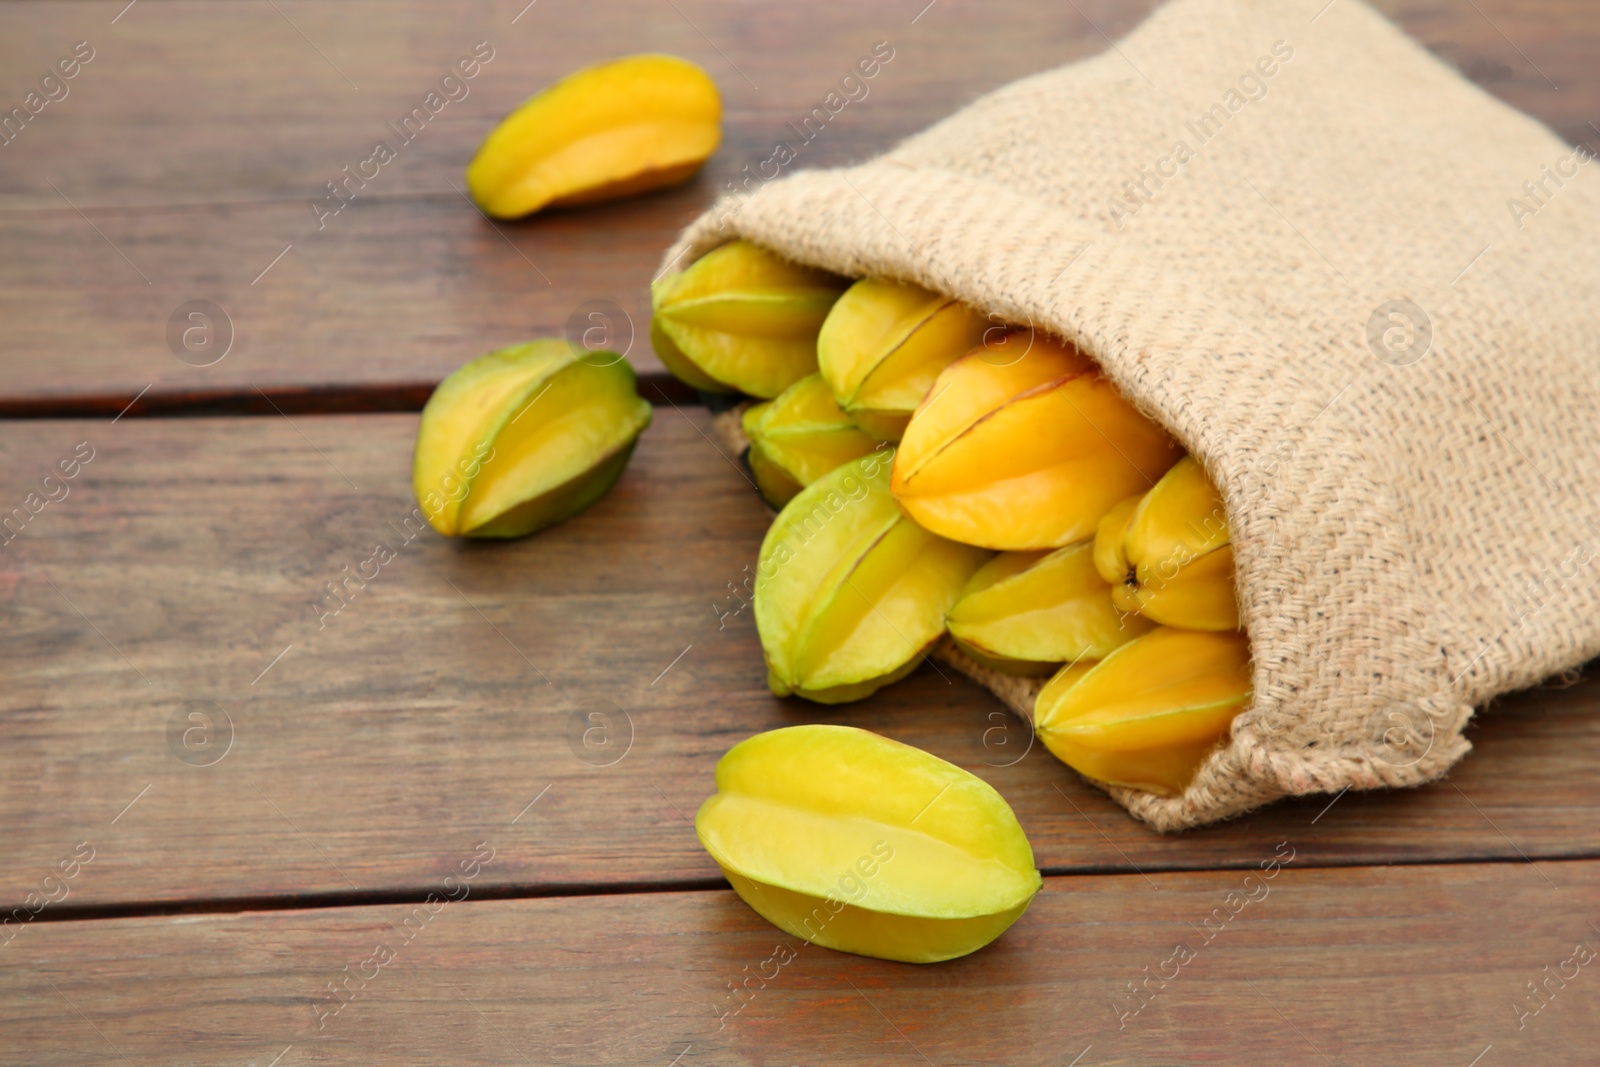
[742, 319]
[524, 437]
[610, 130]
[1023, 445]
[852, 841]
[1169, 553]
[1146, 716]
[1026, 612]
[799, 437]
[849, 592]
[884, 343]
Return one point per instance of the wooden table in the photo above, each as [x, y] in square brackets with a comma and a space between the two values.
[393, 846]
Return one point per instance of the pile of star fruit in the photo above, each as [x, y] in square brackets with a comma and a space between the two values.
[933, 474]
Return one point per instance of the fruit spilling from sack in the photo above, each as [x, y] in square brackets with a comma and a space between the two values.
[850, 592]
[742, 320]
[1025, 509]
[945, 484]
[799, 437]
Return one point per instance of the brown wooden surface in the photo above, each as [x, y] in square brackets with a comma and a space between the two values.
[1369, 966]
[409, 281]
[410, 722]
[370, 755]
[185, 153]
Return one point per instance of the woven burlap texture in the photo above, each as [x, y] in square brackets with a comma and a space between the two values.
[1365, 294]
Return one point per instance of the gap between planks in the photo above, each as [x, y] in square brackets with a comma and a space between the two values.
[418, 895]
[659, 388]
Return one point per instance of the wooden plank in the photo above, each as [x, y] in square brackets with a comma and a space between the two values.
[370, 745]
[409, 281]
[181, 165]
[406, 291]
[1368, 965]
[257, 111]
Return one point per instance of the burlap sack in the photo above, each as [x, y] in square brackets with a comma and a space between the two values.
[1364, 293]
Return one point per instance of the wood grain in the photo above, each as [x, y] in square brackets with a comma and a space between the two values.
[370, 746]
[409, 281]
[1421, 965]
[452, 700]
[182, 162]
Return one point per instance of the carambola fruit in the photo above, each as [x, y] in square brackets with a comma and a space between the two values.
[1146, 716]
[611, 130]
[1169, 553]
[680, 365]
[799, 437]
[884, 343]
[744, 319]
[524, 437]
[858, 843]
[1024, 612]
[1023, 445]
[849, 592]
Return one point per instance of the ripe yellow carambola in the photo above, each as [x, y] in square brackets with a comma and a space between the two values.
[1169, 553]
[850, 592]
[1147, 715]
[799, 437]
[611, 130]
[744, 319]
[524, 437]
[1023, 445]
[884, 343]
[858, 843]
[1025, 612]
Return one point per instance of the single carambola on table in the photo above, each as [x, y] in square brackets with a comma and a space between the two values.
[524, 437]
[614, 129]
[858, 843]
